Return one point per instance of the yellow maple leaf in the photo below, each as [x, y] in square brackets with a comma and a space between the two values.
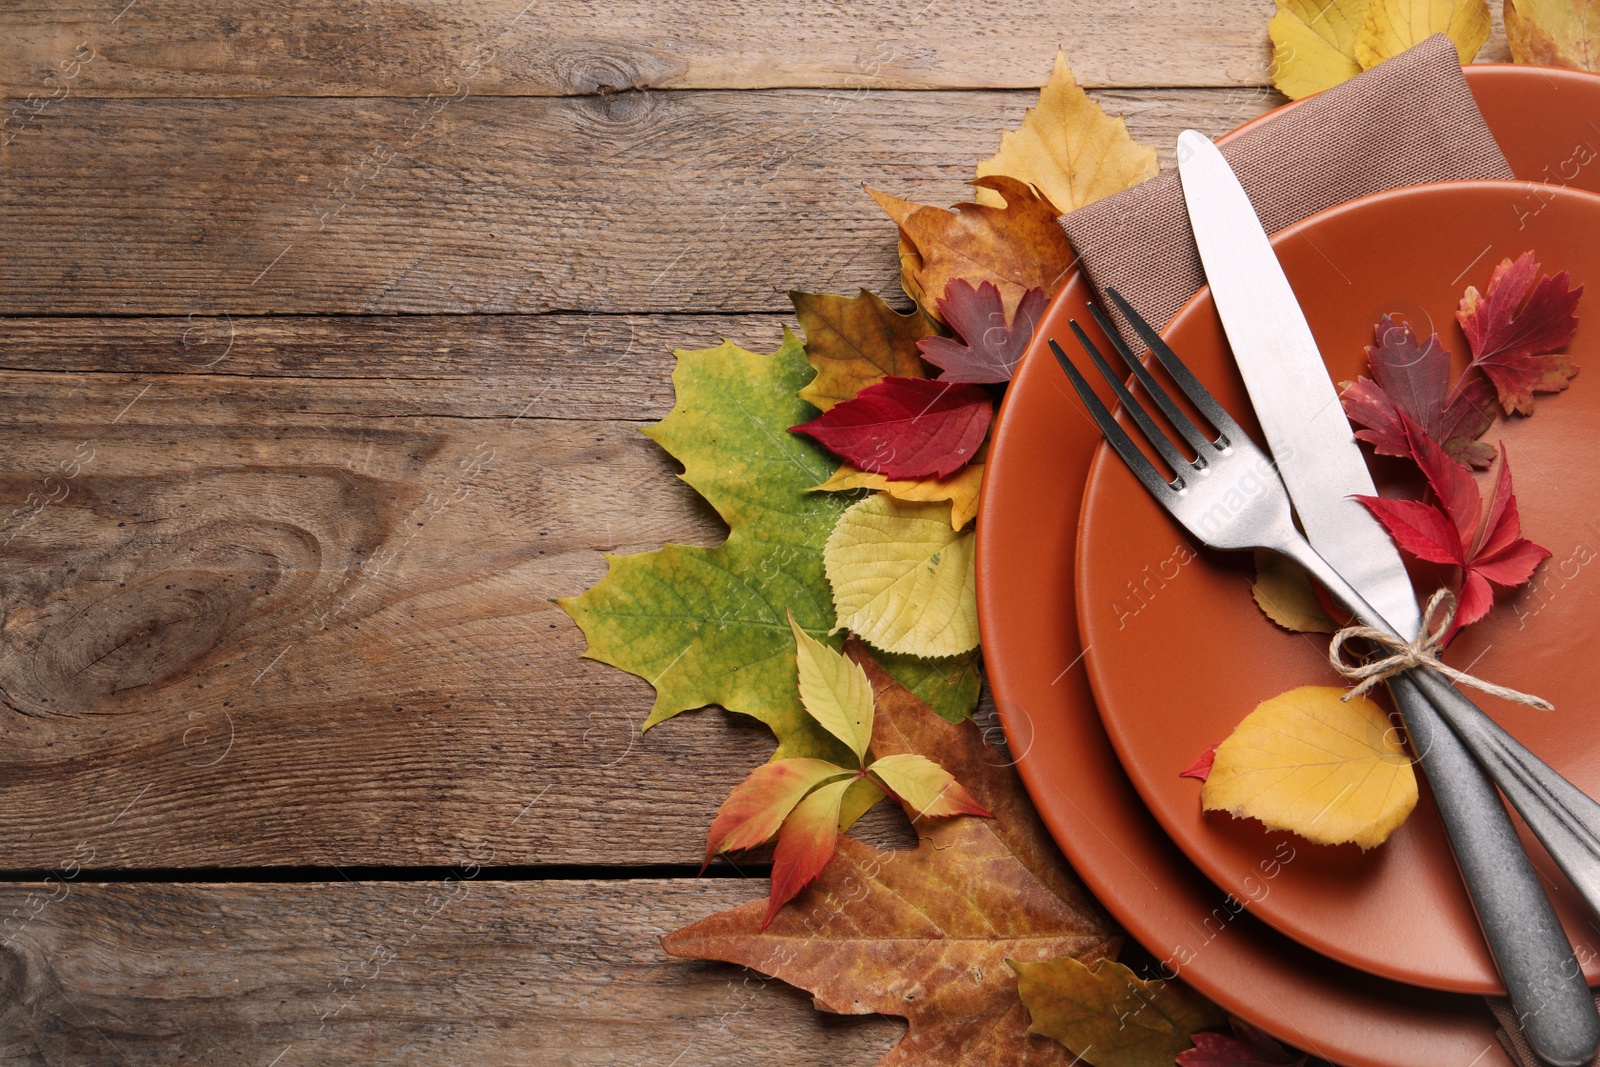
[1283, 590]
[1311, 763]
[1392, 26]
[1314, 44]
[961, 488]
[1554, 33]
[902, 578]
[1068, 149]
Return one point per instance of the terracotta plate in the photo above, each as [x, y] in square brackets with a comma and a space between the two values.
[1026, 547]
[1144, 598]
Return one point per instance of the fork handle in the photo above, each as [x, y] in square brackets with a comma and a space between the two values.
[1528, 944]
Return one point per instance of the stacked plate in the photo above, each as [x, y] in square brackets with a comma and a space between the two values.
[1119, 653]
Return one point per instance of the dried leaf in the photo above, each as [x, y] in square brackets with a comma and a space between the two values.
[1283, 591]
[902, 578]
[1314, 44]
[1248, 1047]
[924, 787]
[989, 345]
[854, 342]
[961, 488]
[1414, 378]
[1068, 149]
[1393, 26]
[1108, 1016]
[1554, 33]
[1307, 761]
[758, 805]
[907, 427]
[1017, 247]
[834, 691]
[1515, 328]
[923, 933]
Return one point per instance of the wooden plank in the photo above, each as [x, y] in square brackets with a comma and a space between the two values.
[632, 202]
[559, 47]
[463, 971]
[256, 616]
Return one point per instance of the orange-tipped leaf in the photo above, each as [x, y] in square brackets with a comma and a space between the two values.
[925, 786]
[758, 805]
[805, 844]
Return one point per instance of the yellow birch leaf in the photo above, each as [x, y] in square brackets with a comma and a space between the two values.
[1392, 26]
[854, 342]
[1314, 44]
[834, 691]
[902, 578]
[1068, 149]
[961, 489]
[1284, 591]
[1309, 762]
[1555, 33]
[1107, 1016]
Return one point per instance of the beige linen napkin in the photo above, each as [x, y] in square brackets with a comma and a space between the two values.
[1409, 121]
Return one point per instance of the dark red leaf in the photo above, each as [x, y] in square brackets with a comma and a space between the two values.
[907, 427]
[1515, 328]
[1421, 529]
[1248, 1047]
[1450, 481]
[1412, 378]
[1201, 768]
[988, 347]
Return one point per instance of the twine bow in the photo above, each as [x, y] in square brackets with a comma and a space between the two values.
[1421, 651]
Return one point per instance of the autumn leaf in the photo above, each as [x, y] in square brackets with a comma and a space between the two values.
[1246, 1047]
[1515, 328]
[949, 685]
[906, 427]
[1393, 26]
[1414, 378]
[1068, 149]
[1107, 1016]
[1017, 247]
[1308, 761]
[1487, 545]
[687, 618]
[902, 578]
[924, 933]
[961, 488]
[834, 692]
[1283, 591]
[1554, 33]
[923, 787]
[758, 805]
[989, 344]
[1200, 769]
[1314, 44]
[854, 342]
[805, 844]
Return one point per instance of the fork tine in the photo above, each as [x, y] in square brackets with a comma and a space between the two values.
[1198, 394]
[1115, 436]
[1197, 438]
[1153, 433]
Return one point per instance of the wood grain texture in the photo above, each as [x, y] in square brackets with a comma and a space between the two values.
[292, 606]
[462, 971]
[626, 203]
[561, 47]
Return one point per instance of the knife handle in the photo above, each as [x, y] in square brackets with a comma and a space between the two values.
[1528, 944]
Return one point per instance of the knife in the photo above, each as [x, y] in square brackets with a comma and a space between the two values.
[1322, 466]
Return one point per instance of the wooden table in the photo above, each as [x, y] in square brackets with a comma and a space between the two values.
[328, 333]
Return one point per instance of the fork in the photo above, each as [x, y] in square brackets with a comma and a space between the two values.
[1231, 497]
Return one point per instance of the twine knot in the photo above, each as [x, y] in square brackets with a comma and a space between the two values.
[1421, 651]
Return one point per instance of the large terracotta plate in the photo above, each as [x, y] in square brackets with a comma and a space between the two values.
[1398, 910]
[1026, 547]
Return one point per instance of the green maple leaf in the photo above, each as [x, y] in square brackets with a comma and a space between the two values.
[709, 625]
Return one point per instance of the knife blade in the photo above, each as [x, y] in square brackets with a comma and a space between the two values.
[1322, 467]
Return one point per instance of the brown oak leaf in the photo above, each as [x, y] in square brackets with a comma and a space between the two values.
[925, 933]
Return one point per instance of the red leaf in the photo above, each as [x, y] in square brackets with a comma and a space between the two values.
[1248, 1048]
[988, 348]
[906, 427]
[758, 805]
[1201, 768]
[1411, 378]
[1515, 328]
[1421, 529]
[805, 844]
[1450, 481]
